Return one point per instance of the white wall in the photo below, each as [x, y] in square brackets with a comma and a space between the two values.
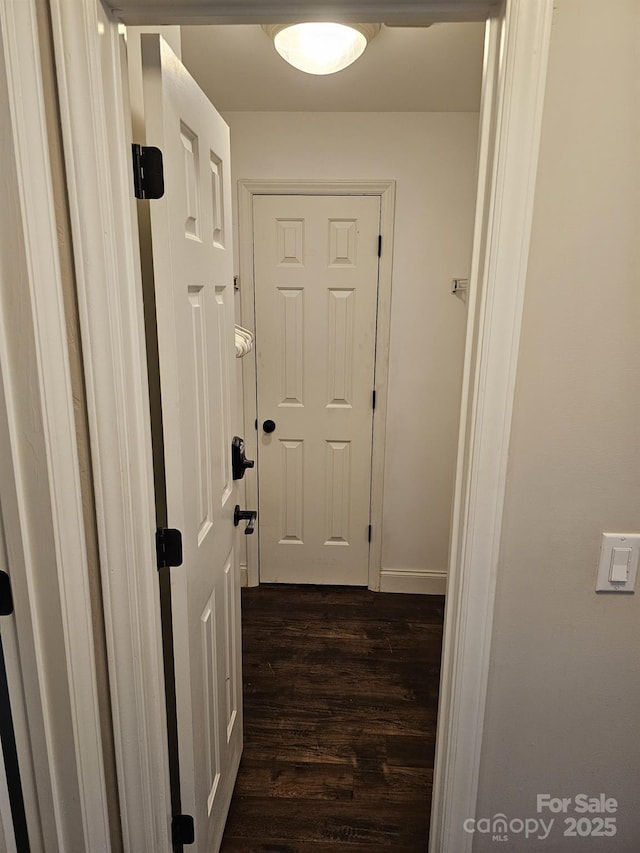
[564, 687]
[432, 157]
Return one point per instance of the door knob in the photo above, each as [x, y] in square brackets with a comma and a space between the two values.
[249, 515]
[269, 426]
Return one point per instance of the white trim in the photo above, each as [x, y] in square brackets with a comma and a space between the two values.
[385, 190]
[50, 523]
[97, 155]
[413, 581]
[516, 63]
[409, 12]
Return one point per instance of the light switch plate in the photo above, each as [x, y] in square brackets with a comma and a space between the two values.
[618, 543]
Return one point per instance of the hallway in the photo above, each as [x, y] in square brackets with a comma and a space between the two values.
[340, 703]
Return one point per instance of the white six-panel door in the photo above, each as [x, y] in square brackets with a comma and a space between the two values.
[193, 272]
[316, 283]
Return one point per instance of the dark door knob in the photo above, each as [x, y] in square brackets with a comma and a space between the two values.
[249, 515]
[269, 426]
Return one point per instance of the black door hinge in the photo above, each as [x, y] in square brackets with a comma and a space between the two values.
[6, 596]
[182, 830]
[379, 245]
[148, 171]
[373, 399]
[369, 534]
[168, 547]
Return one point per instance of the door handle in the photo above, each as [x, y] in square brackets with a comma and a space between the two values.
[249, 515]
[269, 426]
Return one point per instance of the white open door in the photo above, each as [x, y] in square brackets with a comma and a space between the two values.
[193, 272]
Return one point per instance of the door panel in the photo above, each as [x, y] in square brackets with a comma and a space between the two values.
[316, 285]
[193, 274]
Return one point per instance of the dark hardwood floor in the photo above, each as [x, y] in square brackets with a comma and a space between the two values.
[340, 702]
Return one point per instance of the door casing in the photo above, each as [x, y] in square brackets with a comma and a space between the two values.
[97, 155]
[385, 190]
[49, 640]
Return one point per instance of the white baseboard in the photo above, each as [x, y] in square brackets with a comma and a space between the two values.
[394, 580]
[413, 580]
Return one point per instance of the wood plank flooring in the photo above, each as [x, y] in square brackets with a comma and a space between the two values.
[340, 703]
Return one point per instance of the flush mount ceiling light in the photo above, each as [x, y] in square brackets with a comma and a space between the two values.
[321, 48]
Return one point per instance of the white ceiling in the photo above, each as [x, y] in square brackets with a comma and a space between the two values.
[412, 69]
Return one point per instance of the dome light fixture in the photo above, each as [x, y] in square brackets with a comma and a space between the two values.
[321, 47]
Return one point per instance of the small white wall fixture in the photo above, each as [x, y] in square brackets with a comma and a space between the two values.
[385, 190]
[99, 183]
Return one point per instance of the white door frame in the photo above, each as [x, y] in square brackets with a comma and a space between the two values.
[97, 147]
[515, 66]
[103, 222]
[50, 644]
[385, 191]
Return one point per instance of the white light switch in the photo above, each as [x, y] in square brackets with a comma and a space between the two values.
[619, 555]
[619, 571]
